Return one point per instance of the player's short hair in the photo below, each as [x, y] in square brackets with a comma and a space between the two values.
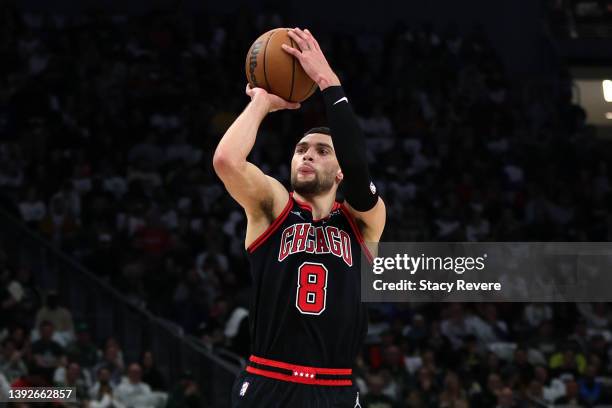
[321, 129]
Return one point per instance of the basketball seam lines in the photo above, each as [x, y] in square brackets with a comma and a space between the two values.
[264, 61]
[292, 72]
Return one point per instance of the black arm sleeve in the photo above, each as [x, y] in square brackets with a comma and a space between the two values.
[350, 147]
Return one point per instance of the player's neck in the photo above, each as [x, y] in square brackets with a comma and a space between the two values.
[320, 204]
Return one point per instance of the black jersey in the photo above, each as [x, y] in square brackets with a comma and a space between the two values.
[306, 306]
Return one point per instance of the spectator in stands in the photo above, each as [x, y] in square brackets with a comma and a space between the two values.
[455, 327]
[12, 364]
[591, 388]
[488, 396]
[21, 339]
[453, 394]
[46, 352]
[596, 315]
[72, 376]
[102, 385]
[552, 389]
[393, 363]
[535, 393]
[505, 398]
[572, 395]
[132, 392]
[61, 318]
[567, 361]
[112, 362]
[375, 398]
[487, 327]
[101, 393]
[82, 350]
[211, 335]
[151, 374]
[545, 340]
[186, 393]
[60, 226]
[237, 331]
[417, 332]
[536, 313]
[21, 297]
[426, 384]
[520, 366]
[33, 210]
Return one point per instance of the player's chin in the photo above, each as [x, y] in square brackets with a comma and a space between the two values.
[304, 185]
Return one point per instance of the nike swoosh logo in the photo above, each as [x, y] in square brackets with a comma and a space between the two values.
[298, 214]
[341, 99]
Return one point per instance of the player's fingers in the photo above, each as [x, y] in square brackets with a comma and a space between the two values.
[299, 40]
[306, 37]
[291, 50]
[300, 33]
[293, 105]
[313, 40]
[310, 40]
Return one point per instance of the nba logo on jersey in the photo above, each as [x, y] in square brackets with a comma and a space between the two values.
[244, 387]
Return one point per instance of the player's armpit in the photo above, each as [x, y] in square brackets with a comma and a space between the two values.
[262, 197]
[371, 222]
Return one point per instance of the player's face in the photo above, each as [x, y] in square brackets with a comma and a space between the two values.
[314, 167]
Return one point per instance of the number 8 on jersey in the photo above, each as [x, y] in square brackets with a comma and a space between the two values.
[312, 288]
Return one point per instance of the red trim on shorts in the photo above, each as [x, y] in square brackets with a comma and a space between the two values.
[295, 379]
[271, 228]
[301, 374]
[294, 367]
[357, 232]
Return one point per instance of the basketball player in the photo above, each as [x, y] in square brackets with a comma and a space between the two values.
[307, 322]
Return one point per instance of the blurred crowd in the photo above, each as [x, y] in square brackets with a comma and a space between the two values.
[42, 346]
[580, 18]
[107, 128]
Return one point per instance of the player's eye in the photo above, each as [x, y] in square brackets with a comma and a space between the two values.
[323, 152]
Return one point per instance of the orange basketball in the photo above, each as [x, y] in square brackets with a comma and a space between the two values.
[269, 67]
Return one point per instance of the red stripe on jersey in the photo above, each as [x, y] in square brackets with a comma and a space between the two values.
[271, 228]
[357, 232]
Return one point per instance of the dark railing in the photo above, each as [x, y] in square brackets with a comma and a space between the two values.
[109, 313]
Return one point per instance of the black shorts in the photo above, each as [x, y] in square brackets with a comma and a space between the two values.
[256, 391]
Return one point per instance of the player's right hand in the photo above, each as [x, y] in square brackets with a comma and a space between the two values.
[271, 101]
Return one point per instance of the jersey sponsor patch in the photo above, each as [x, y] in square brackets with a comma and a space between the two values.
[243, 389]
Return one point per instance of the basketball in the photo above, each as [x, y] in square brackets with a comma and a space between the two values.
[269, 67]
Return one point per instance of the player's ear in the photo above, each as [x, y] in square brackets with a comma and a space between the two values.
[339, 176]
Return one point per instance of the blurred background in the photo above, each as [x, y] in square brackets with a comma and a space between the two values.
[122, 266]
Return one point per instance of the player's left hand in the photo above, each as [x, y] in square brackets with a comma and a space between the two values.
[311, 58]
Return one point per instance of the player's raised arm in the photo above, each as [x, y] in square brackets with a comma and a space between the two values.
[261, 196]
[349, 140]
